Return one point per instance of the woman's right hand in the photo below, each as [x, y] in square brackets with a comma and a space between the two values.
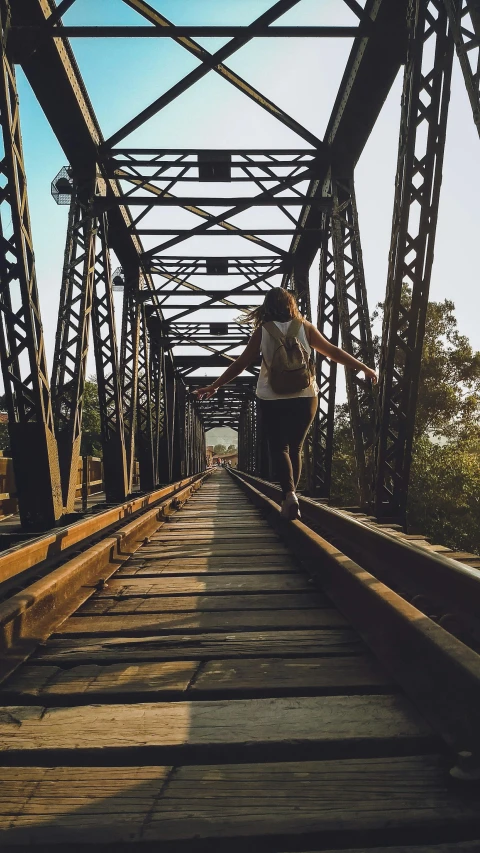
[370, 374]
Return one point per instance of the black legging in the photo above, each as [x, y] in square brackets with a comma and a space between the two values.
[286, 423]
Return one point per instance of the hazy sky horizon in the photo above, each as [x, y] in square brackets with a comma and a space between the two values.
[124, 76]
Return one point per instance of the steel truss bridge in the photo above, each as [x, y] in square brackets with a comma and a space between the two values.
[118, 195]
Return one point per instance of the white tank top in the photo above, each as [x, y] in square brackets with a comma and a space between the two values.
[264, 391]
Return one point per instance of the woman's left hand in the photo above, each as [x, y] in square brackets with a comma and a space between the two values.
[205, 393]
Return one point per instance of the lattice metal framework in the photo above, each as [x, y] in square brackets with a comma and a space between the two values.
[71, 343]
[22, 349]
[326, 370]
[180, 322]
[425, 102]
[355, 326]
[129, 347]
[464, 17]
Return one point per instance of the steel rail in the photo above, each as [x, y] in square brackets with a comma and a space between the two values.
[32, 614]
[438, 672]
[448, 583]
[51, 546]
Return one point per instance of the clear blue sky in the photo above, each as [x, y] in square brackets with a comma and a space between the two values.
[302, 76]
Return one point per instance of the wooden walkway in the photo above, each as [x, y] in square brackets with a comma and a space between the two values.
[211, 698]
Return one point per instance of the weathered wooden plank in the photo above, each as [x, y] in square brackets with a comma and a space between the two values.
[215, 535]
[39, 681]
[145, 625]
[207, 584]
[205, 550]
[203, 646]
[327, 725]
[370, 802]
[141, 561]
[220, 678]
[329, 674]
[152, 568]
[164, 604]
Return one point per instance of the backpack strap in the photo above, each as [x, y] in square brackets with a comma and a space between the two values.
[294, 328]
[274, 331]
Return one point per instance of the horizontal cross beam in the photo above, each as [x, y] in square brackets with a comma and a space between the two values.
[172, 31]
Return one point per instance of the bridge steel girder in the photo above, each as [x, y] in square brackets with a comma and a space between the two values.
[426, 95]
[22, 350]
[129, 344]
[108, 374]
[326, 370]
[71, 342]
[372, 67]
[467, 42]
[355, 327]
[144, 432]
[247, 436]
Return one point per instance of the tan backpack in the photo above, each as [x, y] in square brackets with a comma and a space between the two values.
[290, 370]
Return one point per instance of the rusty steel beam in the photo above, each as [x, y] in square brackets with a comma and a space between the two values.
[108, 375]
[326, 370]
[372, 67]
[144, 430]
[464, 17]
[22, 350]
[71, 342]
[172, 31]
[423, 125]
[355, 327]
[214, 62]
[129, 345]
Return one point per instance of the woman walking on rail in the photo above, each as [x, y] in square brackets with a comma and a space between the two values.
[286, 388]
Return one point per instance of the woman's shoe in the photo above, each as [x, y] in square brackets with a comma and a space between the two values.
[290, 508]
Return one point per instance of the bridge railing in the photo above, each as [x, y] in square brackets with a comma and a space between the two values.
[90, 481]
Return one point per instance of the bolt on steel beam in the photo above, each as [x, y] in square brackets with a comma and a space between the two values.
[22, 350]
[426, 95]
[355, 327]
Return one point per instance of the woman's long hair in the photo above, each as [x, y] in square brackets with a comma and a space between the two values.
[279, 304]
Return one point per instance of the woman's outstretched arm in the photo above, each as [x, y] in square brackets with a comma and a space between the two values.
[321, 345]
[249, 354]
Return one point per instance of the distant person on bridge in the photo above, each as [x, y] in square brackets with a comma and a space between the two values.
[286, 389]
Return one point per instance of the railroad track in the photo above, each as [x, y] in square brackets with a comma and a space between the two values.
[209, 677]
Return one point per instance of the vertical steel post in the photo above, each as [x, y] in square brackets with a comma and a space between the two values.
[326, 370]
[164, 412]
[129, 366]
[464, 17]
[425, 101]
[355, 327]
[178, 470]
[71, 342]
[108, 375]
[144, 410]
[22, 350]
[156, 386]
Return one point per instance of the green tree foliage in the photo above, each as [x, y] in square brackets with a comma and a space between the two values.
[4, 439]
[444, 492]
[232, 448]
[91, 431]
[219, 449]
[91, 434]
